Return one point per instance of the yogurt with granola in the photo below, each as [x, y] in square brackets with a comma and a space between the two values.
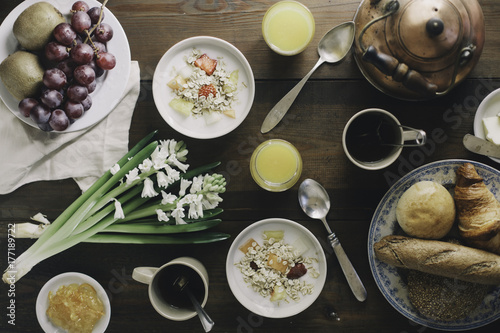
[204, 88]
[274, 268]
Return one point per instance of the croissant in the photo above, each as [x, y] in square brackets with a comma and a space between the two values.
[478, 210]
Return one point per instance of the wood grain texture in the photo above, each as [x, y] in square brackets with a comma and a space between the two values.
[314, 125]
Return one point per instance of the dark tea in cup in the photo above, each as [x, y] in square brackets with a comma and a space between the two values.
[371, 137]
[173, 294]
[168, 298]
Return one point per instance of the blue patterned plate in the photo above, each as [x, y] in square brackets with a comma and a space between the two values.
[384, 223]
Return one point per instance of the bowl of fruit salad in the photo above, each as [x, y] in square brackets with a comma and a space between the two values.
[203, 87]
[276, 268]
[83, 71]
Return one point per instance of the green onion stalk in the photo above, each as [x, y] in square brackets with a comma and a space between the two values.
[148, 197]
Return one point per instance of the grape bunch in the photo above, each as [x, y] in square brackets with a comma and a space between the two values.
[75, 58]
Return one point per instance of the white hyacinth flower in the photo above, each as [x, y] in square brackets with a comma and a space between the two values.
[184, 186]
[146, 165]
[162, 216]
[148, 191]
[167, 198]
[114, 169]
[178, 214]
[118, 210]
[132, 176]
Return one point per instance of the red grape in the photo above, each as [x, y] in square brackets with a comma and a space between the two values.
[40, 114]
[98, 70]
[64, 33]
[99, 47]
[91, 87]
[51, 98]
[104, 33]
[73, 110]
[80, 21]
[26, 105]
[106, 61]
[87, 103]
[77, 93]
[94, 13]
[80, 6]
[54, 78]
[82, 54]
[73, 66]
[84, 74]
[58, 120]
[56, 52]
[67, 66]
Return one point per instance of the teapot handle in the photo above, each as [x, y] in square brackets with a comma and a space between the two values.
[400, 72]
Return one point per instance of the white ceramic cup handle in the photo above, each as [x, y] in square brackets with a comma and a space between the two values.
[144, 274]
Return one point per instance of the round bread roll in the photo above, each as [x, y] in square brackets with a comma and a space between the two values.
[426, 210]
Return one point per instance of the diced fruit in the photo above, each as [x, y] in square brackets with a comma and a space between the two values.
[230, 113]
[177, 83]
[250, 243]
[232, 84]
[182, 106]
[278, 293]
[276, 234]
[276, 263]
[206, 63]
[185, 72]
[297, 271]
[211, 117]
[207, 90]
[299, 247]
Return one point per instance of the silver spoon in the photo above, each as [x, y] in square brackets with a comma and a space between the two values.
[315, 202]
[182, 283]
[332, 48]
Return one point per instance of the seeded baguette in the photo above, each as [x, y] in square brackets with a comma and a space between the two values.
[440, 258]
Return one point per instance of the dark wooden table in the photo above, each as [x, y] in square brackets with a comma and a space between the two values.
[314, 125]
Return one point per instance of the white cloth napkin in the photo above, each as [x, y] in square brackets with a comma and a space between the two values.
[29, 154]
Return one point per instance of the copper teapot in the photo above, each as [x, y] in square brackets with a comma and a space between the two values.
[417, 49]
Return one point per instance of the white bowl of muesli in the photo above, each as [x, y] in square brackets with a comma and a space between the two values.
[203, 87]
[276, 268]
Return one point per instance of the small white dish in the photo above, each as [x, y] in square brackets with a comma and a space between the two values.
[387, 277]
[42, 301]
[110, 86]
[175, 59]
[489, 107]
[252, 300]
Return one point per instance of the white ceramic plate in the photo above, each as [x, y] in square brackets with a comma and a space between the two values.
[254, 301]
[175, 59]
[42, 301]
[489, 107]
[110, 86]
[384, 223]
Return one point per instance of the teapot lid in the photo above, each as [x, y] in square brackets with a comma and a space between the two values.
[427, 34]
[417, 49]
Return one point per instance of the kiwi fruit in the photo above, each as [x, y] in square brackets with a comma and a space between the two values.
[34, 26]
[22, 74]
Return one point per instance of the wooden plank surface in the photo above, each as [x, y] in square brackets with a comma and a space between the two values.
[314, 125]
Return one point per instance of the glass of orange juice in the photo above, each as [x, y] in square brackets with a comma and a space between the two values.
[276, 165]
[288, 27]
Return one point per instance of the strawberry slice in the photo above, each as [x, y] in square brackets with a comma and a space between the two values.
[206, 90]
[206, 63]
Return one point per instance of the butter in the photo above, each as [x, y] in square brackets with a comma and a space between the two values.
[492, 129]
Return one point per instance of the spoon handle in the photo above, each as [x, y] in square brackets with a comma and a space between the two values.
[280, 109]
[206, 321]
[352, 277]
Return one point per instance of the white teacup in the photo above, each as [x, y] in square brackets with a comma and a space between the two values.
[161, 286]
[374, 138]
